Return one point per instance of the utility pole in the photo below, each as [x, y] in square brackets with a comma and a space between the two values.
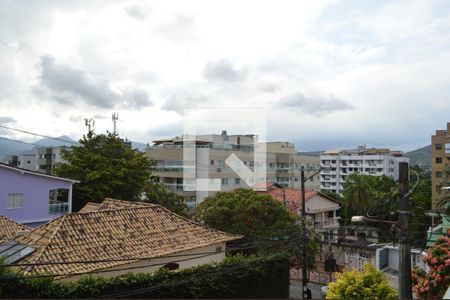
[115, 117]
[306, 293]
[404, 217]
[89, 123]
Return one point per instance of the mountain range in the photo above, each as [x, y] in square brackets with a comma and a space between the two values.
[15, 147]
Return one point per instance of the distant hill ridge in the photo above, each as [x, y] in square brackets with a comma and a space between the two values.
[11, 147]
[420, 157]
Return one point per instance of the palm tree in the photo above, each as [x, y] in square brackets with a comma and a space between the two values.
[358, 195]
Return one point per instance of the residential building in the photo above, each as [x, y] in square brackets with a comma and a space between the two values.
[339, 164]
[440, 164]
[47, 158]
[440, 230]
[118, 237]
[282, 163]
[321, 209]
[10, 229]
[33, 198]
[24, 161]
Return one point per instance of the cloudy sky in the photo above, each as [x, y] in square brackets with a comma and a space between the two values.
[328, 74]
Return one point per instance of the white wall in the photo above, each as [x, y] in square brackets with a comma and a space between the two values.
[157, 263]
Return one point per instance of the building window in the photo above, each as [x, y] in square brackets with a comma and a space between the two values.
[438, 188]
[439, 160]
[15, 201]
[330, 214]
[438, 146]
[237, 181]
[58, 201]
[438, 174]
[224, 181]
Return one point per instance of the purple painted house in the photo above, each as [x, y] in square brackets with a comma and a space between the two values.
[33, 198]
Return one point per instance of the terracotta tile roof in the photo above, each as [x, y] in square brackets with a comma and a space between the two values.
[141, 230]
[265, 186]
[8, 228]
[293, 197]
[90, 206]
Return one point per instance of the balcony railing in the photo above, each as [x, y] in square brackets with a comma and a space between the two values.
[58, 208]
[332, 222]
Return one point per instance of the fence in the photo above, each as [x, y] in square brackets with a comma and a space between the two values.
[320, 277]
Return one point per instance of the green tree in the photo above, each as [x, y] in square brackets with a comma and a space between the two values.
[420, 202]
[157, 193]
[105, 167]
[358, 195]
[368, 284]
[258, 218]
[382, 193]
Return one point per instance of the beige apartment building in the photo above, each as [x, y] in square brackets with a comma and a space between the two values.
[440, 162]
[282, 163]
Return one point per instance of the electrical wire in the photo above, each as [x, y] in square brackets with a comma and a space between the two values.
[141, 266]
[40, 135]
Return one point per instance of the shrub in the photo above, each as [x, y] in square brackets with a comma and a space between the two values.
[368, 284]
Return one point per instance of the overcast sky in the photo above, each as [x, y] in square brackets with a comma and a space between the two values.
[329, 74]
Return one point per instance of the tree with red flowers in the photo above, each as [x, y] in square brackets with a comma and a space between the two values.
[432, 285]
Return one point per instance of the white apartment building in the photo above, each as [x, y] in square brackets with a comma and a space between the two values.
[282, 164]
[367, 161]
[47, 158]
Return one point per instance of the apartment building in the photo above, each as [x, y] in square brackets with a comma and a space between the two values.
[282, 163]
[47, 158]
[24, 161]
[366, 161]
[440, 163]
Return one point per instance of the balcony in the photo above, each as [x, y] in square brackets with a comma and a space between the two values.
[327, 224]
[58, 208]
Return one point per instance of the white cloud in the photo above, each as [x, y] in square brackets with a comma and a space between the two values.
[382, 60]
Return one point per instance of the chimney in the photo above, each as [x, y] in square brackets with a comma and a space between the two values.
[224, 133]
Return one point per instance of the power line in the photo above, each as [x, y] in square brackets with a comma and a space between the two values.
[40, 135]
[22, 142]
[137, 267]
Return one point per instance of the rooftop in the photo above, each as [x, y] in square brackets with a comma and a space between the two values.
[9, 228]
[114, 231]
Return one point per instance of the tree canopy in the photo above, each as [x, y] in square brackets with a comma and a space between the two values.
[157, 193]
[377, 198]
[105, 167]
[368, 284]
[258, 218]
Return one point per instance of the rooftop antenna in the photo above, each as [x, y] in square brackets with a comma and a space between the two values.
[115, 117]
[89, 123]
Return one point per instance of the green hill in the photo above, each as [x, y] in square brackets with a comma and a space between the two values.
[420, 157]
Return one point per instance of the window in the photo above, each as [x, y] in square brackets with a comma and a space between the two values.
[438, 188]
[237, 181]
[212, 162]
[439, 160]
[438, 146]
[225, 181]
[15, 201]
[221, 164]
[438, 174]
[330, 214]
[58, 201]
